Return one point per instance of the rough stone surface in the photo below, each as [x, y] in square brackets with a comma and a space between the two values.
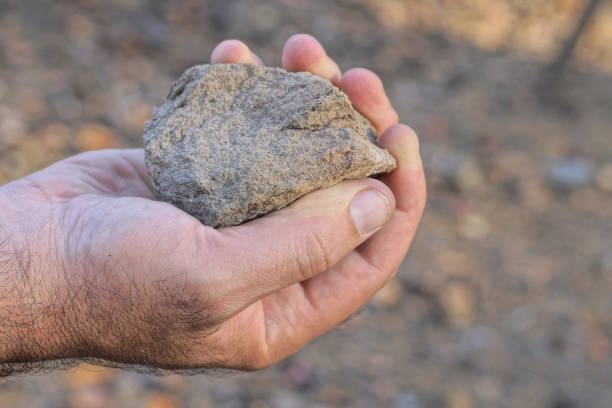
[233, 142]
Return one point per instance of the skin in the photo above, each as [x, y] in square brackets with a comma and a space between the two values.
[93, 268]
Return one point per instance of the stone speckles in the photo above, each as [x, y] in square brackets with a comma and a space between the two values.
[234, 142]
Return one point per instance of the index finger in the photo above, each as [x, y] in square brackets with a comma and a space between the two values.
[366, 92]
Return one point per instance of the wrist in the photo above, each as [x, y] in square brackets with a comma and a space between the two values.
[31, 328]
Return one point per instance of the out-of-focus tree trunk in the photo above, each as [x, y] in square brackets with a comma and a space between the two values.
[549, 80]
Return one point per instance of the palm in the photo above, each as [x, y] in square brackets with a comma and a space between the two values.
[117, 180]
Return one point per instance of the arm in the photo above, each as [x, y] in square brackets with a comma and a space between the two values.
[28, 322]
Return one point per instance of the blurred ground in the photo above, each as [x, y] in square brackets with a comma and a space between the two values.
[505, 298]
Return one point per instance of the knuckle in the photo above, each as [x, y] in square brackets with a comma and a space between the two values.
[314, 255]
[393, 116]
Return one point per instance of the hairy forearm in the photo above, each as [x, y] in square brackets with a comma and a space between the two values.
[28, 331]
[17, 317]
[58, 307]
[70, 290]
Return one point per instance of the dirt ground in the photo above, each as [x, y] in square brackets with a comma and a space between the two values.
[505, 297]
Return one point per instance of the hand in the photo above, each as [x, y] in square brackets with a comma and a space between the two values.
[94, 268]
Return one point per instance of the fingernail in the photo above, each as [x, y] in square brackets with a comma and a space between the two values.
[369, 210]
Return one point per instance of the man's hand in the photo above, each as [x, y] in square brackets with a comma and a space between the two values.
[92, 267]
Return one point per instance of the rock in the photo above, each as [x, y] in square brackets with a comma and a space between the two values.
[233, 142]
[570, 173]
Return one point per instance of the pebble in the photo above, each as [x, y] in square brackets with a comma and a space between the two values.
[89, 398]
[458, 303]
[535, 195]
[454, 263]
[463, 172]
[474, 340]
[12, 128]
[56, 136]
[468, 177]
[407, 400]
[390, 294]
[162, 401]
[299, 373]
[598, 346]
[459, 398]
[95, 136]
[570, 173]
[173, 382]
[288, 400]
[603, 178]
[473, 226]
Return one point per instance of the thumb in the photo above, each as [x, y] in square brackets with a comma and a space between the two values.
[306, 238]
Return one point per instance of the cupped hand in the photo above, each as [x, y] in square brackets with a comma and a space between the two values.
[116, 276]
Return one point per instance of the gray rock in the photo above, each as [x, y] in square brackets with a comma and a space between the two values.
[234, 142]
[407, 399]
[570, 173]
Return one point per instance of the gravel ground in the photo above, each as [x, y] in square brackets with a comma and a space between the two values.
[504, 299]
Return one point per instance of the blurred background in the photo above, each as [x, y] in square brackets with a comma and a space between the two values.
[505, 298]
